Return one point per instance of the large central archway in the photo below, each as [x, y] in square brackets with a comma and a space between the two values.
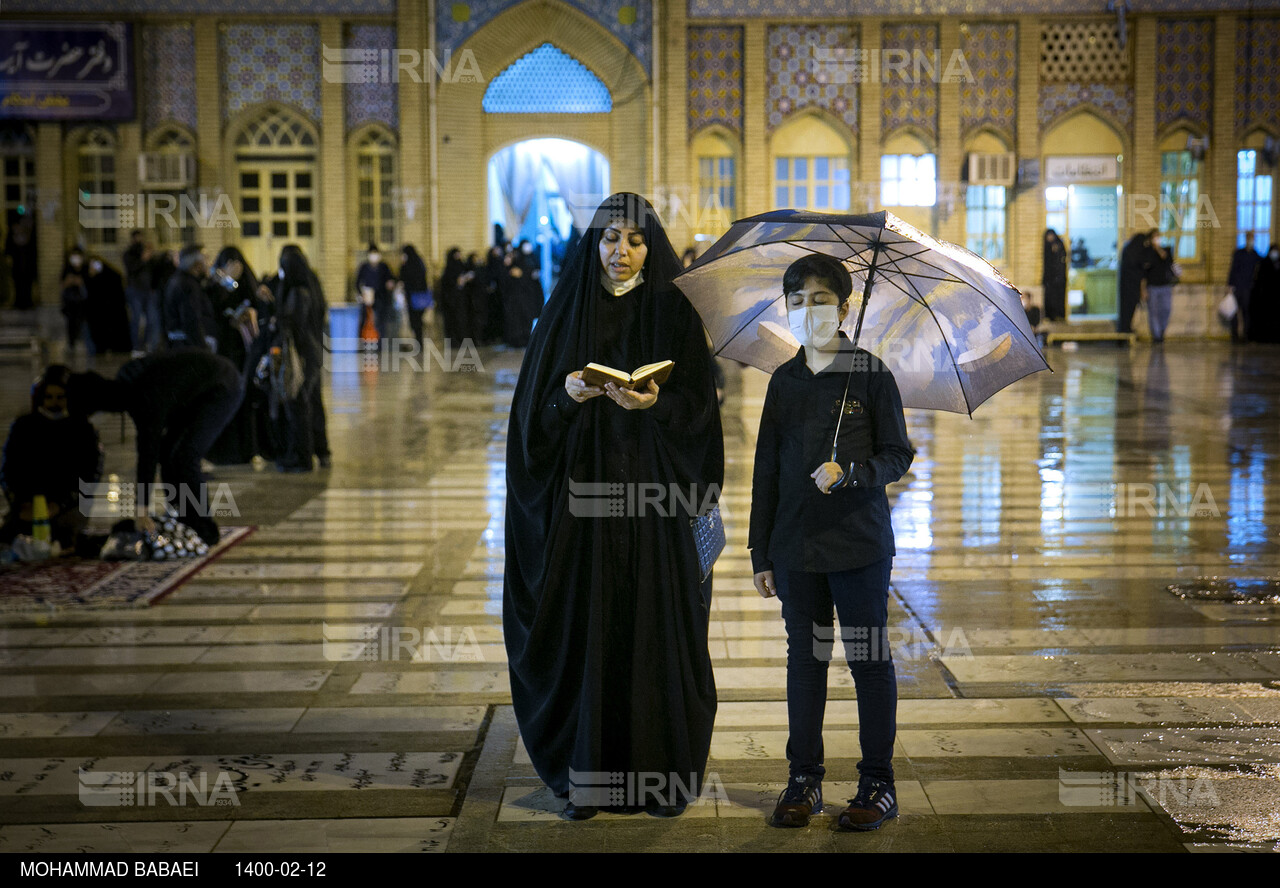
[544, 190]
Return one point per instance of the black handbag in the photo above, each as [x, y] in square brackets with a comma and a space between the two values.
[708, 537]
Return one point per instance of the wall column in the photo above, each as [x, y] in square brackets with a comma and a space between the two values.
[211, 178]
[1026, 222]
[950, 156]
[414, 140]
[753, 187]
[866, 189]
[51, 205]
[1220, 241]
[674, 179]
[1142, 166]
[332, 263]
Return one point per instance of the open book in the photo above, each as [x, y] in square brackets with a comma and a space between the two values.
[598, 374]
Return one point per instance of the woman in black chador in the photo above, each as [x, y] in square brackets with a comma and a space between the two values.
[604, 613]
[1055, 276]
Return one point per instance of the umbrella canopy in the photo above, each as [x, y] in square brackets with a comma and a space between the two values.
[947, 324]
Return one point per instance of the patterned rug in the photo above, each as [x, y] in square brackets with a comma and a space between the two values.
[77, 583]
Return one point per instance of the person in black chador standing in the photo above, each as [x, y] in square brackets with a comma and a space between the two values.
[180, 400]
[1264, 299]
[494, 272]
[476, 294]
[106, 311]
[1055, 276]
[20, 247]
[417, 294]
[1244, 265]
[233, 292]
[606, 617]
[300, 317]
[451, 295]
[1135, 260]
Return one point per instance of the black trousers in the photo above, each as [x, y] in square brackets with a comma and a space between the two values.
[188, 438]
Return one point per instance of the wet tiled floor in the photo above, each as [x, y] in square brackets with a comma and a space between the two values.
[343, 669]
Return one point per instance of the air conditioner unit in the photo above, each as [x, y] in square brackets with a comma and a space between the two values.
[166, 170]
[993, 169]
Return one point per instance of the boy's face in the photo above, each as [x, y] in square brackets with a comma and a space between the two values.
[815, 292]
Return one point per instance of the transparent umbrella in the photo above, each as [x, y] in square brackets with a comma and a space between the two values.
[946, 323]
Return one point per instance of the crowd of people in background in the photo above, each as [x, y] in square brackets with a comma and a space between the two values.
[269, 329]
[491, 300]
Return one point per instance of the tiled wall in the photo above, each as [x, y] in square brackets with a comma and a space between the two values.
[167, 75]
[807, 69]
[370, 102]
[270, 62]
[715, 78]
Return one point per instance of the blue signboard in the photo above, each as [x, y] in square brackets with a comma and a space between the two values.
[77, 71]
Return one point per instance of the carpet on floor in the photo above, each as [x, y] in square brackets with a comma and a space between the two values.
[72, 583]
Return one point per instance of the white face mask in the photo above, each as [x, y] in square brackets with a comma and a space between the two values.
[76, 261]
[375, 258]
[280, 273]
[814, 325]
[95, 266]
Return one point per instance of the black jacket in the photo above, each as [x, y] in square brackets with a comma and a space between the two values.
[188, 314]
[793, 524]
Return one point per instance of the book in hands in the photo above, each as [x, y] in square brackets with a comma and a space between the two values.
[599, 374]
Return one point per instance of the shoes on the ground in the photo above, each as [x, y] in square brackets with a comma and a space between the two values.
[876, 802]
[799, 801]
[578, 812]
[326, 461]
[292, 468]
[665, 811]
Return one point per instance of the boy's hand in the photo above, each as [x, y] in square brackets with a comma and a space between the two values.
[765, 585]
[827, 474]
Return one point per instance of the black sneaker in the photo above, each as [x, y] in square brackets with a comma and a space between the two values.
[876, 802]
[799, 801]
[578, 812]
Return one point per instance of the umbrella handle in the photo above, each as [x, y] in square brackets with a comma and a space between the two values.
[857, 332]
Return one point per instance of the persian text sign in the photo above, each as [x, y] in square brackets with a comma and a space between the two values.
[66, 72]
[1073, 170]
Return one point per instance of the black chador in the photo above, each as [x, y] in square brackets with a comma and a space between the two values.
[605, 616]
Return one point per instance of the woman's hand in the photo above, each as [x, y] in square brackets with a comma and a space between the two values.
[630, 399]
[826, 474]
[765, 585]
[579, 390]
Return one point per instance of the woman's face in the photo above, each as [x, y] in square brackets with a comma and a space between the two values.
[234, 268]
[622, 251]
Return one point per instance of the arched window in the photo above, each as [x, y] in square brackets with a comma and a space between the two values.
[376, 184]
[96, 181]
[1254, 191]
[717, 189]
[986, 206]
[1180, 171]
[547, 80]
[908, 173]
[810, 166]
[171, 160]
[18, 157]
